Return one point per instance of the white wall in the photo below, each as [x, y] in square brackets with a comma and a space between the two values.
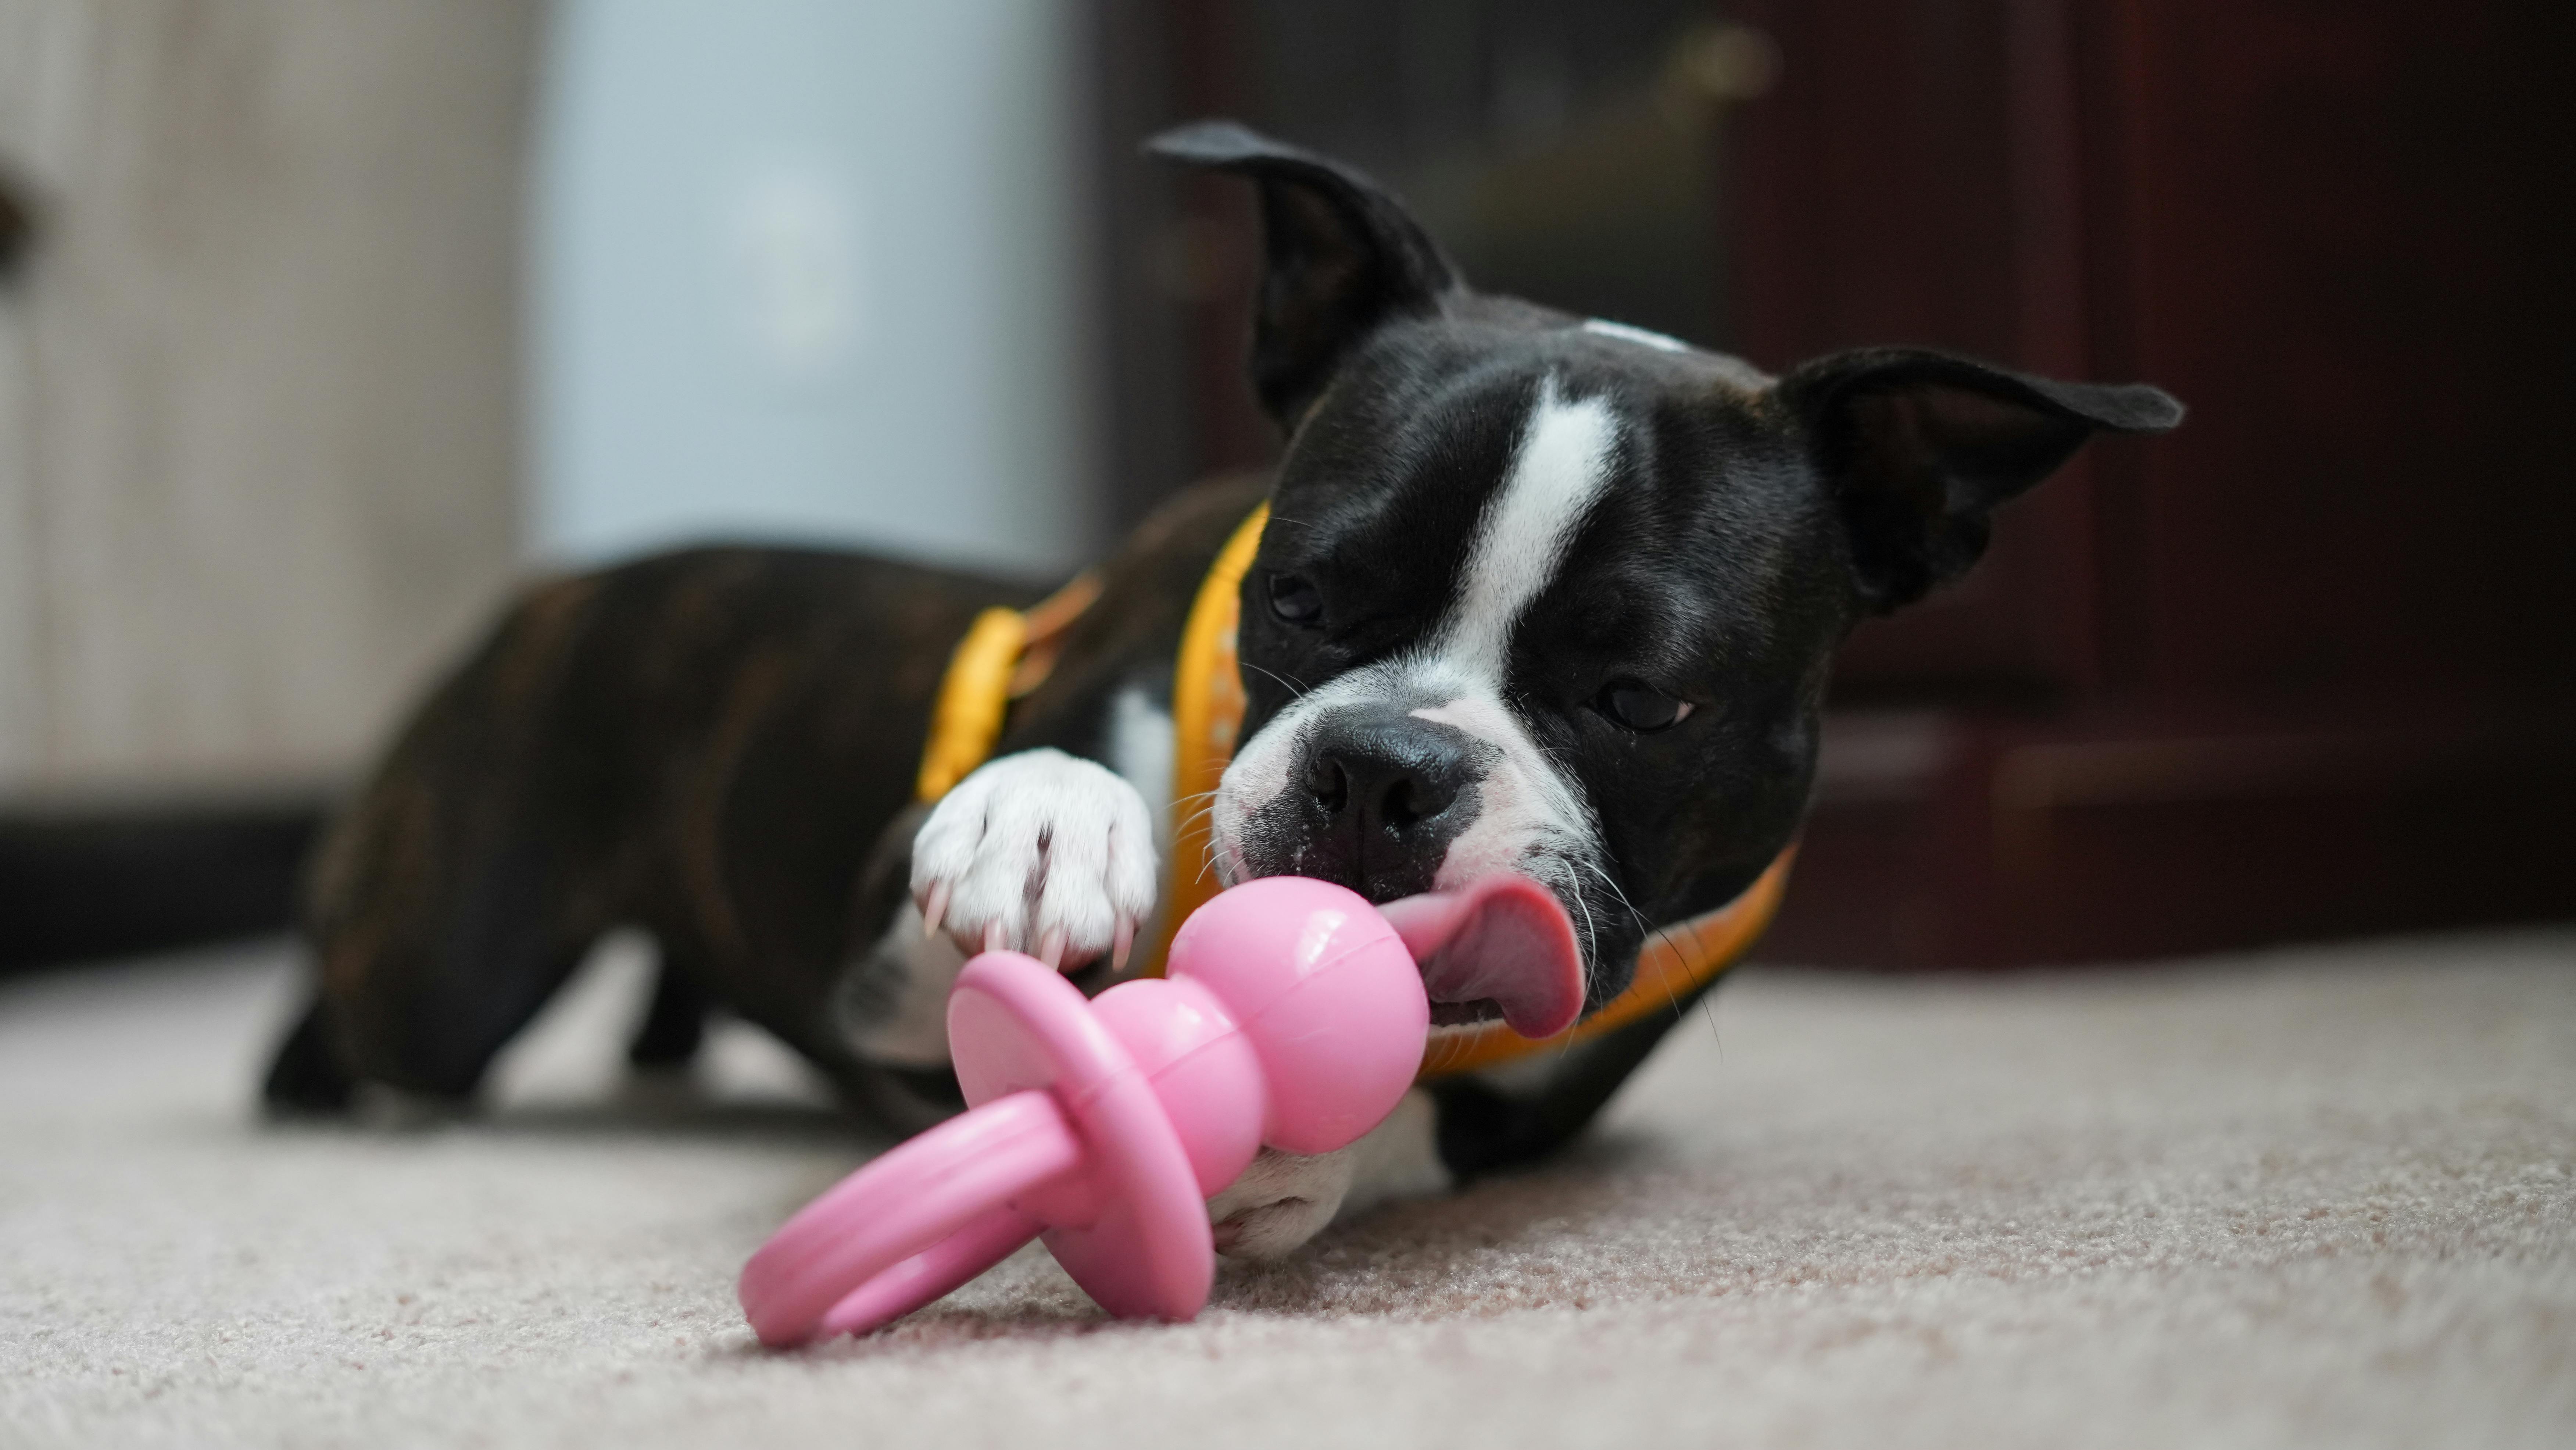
[804, 270]
[259, 384]
[808, 270]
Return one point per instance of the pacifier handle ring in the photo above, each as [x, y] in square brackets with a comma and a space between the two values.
[933, 1274]
[1015, 1023]
[900, 1208]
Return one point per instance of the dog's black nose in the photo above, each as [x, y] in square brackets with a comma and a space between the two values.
[1396, 774]
[1384, 788]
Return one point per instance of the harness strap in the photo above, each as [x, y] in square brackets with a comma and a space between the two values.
[1005, 655]
[1207, 711]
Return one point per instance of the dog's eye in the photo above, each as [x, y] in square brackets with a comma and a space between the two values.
[1642, 707]
[1295, 600]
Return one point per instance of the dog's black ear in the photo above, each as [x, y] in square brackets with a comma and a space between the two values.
[1342, 257]
[1920, 447]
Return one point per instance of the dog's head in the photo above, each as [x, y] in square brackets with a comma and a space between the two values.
[1554, 596]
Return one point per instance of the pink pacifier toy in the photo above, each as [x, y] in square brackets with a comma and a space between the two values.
[1294, 1015]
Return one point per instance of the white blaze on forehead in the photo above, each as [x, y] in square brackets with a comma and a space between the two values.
[1638, 335]
[1561, 469]
[1529, 815]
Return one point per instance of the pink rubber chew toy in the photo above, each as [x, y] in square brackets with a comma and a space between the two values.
[1293, 1015]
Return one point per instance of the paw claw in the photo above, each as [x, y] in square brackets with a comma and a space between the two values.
[1041, 851]
[1125, 943]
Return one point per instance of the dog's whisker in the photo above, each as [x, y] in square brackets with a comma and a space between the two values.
[1658, 933]
[1293, 686]
[1629, 906]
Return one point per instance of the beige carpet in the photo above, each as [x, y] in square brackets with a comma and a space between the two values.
[2323, 1197]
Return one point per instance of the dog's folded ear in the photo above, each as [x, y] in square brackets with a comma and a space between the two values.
[1342, 256]
[1920, 447]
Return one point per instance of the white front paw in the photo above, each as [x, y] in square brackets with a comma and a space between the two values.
[1040, 852]
[1281, 1201]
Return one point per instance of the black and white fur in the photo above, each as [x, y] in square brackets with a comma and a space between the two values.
[1538, 593]
[1504, 516]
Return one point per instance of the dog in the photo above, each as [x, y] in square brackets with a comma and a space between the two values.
[1536, 593]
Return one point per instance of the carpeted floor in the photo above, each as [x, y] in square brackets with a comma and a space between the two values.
[2319, 1197]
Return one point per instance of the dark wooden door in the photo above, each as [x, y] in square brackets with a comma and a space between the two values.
[2305, 668]
[2344, 231]
[2302, 668]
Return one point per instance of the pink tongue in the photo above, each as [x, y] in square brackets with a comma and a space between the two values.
[1505, 938]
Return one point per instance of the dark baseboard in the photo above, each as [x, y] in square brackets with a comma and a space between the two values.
[1937, 840]
[1952, 840]
[83, 880]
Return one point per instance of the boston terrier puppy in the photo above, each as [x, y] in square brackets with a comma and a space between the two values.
[1537, 593]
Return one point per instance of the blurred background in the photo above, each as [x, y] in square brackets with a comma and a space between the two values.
[323, 322]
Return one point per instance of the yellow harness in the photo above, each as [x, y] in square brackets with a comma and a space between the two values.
[1006, 653]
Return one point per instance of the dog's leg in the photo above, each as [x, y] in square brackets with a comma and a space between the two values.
[1497, 1120]
[467, 880]
[891, 1005]
[307, 1076]
[1039, 851]
[1439, 1136]
[425, 1029]
[430, 964]
[676, 1022]
[433, 1028]
[1284, 1199]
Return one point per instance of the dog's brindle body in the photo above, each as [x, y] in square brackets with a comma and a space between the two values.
[1537, 594]
[715, 746]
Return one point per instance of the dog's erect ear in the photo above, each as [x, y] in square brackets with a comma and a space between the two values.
[1342, 257]
[1920, 447]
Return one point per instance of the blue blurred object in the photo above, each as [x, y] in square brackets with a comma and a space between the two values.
[809, 271]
